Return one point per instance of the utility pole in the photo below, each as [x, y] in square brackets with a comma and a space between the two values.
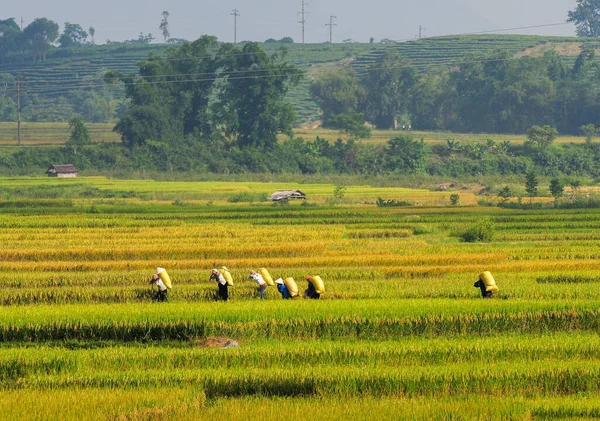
[302, 15]
[18, 91]
[421, 29]
[331, 25]
[235, 13]
[21, 23]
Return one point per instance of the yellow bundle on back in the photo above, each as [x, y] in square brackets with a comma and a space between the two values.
[164, 276]
[318, 284]
[227, 276]
[291, 286]
[488, 280]
[266, 276]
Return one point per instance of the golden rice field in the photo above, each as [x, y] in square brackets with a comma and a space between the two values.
[400, 333]
[49, 134]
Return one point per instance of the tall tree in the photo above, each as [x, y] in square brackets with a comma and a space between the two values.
[73, 34]
[40, 34]
[337, 92]
[586, 17]
[389, 83]
[10, 38]
[164, 25]
[541, 136]
[240, 95]
[92, 32]
[531, 184]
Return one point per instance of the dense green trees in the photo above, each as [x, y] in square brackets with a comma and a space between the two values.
[494, 93]
[337, 91]
[38, 36]
[389, 84]
[212, 90]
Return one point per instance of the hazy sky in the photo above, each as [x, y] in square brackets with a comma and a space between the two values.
[118, 20]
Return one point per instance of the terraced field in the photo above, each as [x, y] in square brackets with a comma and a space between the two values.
[84, 67]
[400, 332]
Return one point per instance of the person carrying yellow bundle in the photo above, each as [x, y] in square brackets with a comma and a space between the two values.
[223, 292]
[283, 289]
[486, 284]
[316, 287]
[262, 285]
[161, 290]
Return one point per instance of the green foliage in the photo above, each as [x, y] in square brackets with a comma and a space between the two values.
[351, 123]
[557, 188]
[531, 184]
[586, 18]
[337, 92]
[339, 192]
[72, 35]
[389, 83]
[391, 203]
[80, 135]
[482, 231]
[590, 132]
[542, 136]
[406, 155]
[164, 25]
[455, 199]
[247, 197]
[505, 193]
[40, 34]
[248, 109]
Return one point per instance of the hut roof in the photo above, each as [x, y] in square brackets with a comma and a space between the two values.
[62, 169]
[287, 194]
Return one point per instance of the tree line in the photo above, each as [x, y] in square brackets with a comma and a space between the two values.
[494, 93]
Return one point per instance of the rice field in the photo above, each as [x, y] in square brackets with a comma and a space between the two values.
[53, 134]
[400, 333]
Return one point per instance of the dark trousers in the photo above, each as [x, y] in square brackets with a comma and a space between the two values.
[223, 292]
[161, 296]
[485, 294]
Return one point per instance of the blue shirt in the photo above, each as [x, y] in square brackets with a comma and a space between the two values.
[285, 292]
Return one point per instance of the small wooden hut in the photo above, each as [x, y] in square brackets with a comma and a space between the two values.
[287, 195]
[63, 171]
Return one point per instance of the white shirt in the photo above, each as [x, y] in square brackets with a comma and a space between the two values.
[159, 283]
[258, 278]
[221, 279]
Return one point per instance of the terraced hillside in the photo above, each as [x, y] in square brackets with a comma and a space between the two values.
[82, 68]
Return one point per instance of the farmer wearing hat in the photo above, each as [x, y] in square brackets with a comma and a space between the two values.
[311, 292]
[283, 290]
[262, 285]
[223, 292]
[161, 293]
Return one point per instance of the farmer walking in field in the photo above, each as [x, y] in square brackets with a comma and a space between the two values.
[315, 287]
[486, 284]
[262, 285]
[283, 289]
[223, 292]
[161, 293]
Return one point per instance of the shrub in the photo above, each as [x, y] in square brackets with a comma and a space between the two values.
[247, 197]
[482, 231]
[391, 203]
